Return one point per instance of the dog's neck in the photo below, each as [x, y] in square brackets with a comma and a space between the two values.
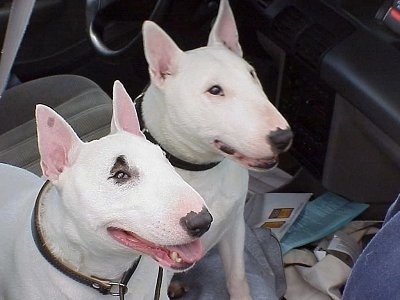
[62, 238]
[170, 135]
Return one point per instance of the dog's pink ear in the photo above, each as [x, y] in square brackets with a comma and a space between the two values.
[162, 54]
[56, 138]
[224, 30]
[124, 113]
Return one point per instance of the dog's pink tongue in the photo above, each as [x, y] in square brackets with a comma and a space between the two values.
[190, 253]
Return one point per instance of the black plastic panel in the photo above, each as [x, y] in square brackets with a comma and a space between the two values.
[366, 71]
[306, 32]
[307, 104]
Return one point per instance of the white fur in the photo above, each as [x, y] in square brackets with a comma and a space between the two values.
[83, 203]
[186, 119]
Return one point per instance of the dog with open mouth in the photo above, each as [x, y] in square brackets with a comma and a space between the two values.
[207, 109]
[111, 212]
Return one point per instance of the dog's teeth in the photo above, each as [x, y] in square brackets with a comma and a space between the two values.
[175, 257]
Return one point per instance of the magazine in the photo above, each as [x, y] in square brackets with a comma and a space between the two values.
[277, 211]
[319, 218]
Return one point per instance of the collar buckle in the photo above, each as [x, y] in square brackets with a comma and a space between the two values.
[111, 288]
[118, 289]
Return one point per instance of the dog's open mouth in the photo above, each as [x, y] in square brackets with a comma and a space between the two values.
[254, 163]
[177, 257]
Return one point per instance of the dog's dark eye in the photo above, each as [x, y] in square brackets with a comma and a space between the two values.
[121, 175]
[216, 90]
[253, 73]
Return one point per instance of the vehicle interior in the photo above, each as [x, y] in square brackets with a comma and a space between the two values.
[331, 67]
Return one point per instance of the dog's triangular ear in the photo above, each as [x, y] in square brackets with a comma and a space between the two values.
[224, 30]
[124, 114]
[161, 52]
[56, 139]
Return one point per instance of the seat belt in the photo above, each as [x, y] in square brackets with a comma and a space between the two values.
[18, 20]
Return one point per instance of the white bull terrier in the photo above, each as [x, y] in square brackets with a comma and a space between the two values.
[109, 201]
[208, 111]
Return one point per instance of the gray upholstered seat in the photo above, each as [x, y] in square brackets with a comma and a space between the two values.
[79, 100]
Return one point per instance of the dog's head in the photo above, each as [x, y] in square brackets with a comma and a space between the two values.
[213, 99]
[120, 194]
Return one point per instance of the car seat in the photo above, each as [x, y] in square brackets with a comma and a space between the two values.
[79, 100]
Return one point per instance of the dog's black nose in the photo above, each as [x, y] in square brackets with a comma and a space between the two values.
[196, 224]
[281, 139]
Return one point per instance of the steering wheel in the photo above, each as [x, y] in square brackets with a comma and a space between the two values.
[96, 21]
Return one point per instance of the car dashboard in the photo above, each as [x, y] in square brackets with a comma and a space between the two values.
[337, 70]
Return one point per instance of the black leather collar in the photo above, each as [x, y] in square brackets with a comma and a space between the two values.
[104, 286]
[175, 161]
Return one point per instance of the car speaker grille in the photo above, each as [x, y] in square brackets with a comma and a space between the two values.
[312, 44]
[287, 25]
[301, 36]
